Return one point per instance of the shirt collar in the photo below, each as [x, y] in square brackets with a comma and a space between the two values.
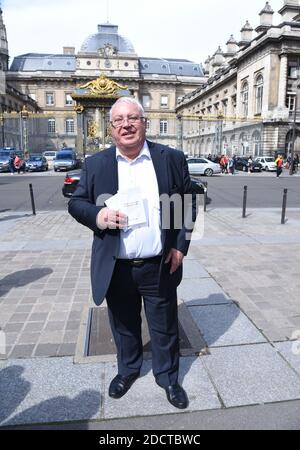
[144, 152]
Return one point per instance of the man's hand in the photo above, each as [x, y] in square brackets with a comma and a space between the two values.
[108, 218]
[176, 258]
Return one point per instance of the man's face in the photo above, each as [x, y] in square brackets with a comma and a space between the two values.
[128, 136]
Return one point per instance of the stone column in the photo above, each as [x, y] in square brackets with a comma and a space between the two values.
[282, 81]
[80, 131]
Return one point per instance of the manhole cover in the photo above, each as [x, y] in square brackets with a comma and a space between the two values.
[99, 340]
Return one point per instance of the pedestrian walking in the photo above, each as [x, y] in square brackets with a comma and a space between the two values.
[250, 164]
[11, 163]
[279, 165]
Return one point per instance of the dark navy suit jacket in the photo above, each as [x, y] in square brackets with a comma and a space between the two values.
[100, 176]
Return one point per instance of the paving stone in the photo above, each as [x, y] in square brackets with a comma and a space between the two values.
[223, 325]
[193, 269]
[71, 336]
[46, 350]
[48, 337]
[54, 326]
[201, 292]
[251, 374]
[58, 316]
[67, 349]
[38, 317]
[291, 351]
[73, 325]
[22, 351]
[11, 327]
[34, 326]
[24, 309]
[72, 392]
[28, 337]
[147, 398]
[19, 317]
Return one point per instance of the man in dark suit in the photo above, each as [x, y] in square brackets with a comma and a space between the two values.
[139, 261]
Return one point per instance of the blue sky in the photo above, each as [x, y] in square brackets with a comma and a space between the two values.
[189, 29]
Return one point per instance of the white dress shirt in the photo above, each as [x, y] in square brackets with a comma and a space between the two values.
[143, 241]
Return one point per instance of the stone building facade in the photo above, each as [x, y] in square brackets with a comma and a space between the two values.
[11, 100]
[250, 101]
[50, 81]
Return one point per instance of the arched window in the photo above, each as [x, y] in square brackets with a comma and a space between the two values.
[245, 98]
[259, 90]
[244, 144]
[257, 147]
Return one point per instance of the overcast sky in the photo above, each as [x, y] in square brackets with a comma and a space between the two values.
[190, 29]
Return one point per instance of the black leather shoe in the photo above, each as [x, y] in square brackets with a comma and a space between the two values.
[120, 385]
[177, 396]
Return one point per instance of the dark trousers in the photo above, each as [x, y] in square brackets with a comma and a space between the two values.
[124, 299]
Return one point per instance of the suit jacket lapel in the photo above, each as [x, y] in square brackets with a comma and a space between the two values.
[111, 176]
[158, 155]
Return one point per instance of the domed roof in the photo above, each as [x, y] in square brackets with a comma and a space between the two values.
[107, 38]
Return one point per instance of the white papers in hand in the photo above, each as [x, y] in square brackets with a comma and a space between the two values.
[131, 203]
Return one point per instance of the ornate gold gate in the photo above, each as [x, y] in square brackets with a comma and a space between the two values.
[93, 102]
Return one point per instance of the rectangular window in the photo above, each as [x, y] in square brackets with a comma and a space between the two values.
[69, 126]
[259, 99]
[146, 101]
[290, 102]
[49, 98]
[68, 100]
[163, 126]
[164, 101]
[292, 73]
[51, 126]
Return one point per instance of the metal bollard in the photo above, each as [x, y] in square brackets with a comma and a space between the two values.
[284, 201]
[32, 199]
[245, 201]
[205, 196]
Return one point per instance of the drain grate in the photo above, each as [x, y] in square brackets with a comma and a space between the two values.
[99, 339]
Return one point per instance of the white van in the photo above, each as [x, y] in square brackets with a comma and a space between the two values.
[267, 162]
[50, 155]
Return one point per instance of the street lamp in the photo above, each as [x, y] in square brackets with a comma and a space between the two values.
[24, 131]
[2, 129]
[293, 138]
[200, 119]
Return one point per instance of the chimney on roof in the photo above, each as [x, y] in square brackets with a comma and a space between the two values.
[69, 50]
[266, 18]
[289, 10]
[246, 34]
[232, 46]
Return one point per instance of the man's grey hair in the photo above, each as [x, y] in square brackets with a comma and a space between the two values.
[128, 100]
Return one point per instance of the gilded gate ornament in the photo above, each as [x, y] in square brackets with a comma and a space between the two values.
[103, 86]
[93, 129]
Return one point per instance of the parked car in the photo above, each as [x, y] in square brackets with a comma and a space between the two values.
[72, 179]
[50, 155]
[242, 164]
[5, 154]
[203, 166]
[267, 162]
[36, 163]
[70, 183]
[66, 159]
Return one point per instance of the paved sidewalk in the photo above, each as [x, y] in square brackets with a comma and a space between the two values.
[241, 286]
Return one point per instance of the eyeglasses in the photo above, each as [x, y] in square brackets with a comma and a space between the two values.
[131, 120]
